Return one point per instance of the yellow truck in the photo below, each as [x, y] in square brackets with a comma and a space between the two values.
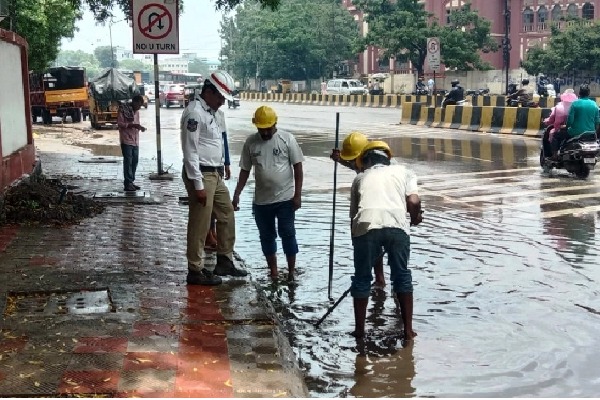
[106, 92]
[59, 92]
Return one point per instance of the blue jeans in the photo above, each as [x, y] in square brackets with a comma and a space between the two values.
[367, 248]
[265, 215]
[130, 162]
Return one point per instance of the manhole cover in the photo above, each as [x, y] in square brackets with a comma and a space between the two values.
[59, 302]
[100, 160]
[119, 195]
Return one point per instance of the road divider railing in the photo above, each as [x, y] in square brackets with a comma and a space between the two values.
[514, 120]
[378, 101]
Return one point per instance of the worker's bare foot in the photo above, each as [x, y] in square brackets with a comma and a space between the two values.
[409, 335]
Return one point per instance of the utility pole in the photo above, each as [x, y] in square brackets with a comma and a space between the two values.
[506, 46]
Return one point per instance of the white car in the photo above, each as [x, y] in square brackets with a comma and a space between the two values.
[149, 91]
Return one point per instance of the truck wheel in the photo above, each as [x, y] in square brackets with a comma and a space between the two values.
[46, 117]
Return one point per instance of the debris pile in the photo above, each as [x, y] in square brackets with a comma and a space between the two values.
[39, 200]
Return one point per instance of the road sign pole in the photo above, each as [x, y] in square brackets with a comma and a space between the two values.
[157, 108]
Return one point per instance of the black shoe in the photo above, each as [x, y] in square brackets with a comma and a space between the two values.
[226, 267]
[136, 186]
[130, 188]
[204, 277]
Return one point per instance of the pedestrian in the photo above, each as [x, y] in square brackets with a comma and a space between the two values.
[202, 146]
[557, 85]
[128, 121]
[379, 200]
[277, 160]
[430, 84]
[210, 243]
[351, 149]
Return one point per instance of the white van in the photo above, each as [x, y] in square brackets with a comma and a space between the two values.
[344, 86]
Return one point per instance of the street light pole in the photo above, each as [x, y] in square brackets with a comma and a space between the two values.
[506, 46]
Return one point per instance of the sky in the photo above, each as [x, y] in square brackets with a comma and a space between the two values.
[198, 31]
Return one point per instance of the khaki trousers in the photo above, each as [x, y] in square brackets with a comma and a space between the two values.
[199, 218]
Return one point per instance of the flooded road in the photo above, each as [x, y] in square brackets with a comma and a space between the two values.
[505, 264]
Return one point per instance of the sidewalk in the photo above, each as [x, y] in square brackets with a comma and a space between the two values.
[102, 308]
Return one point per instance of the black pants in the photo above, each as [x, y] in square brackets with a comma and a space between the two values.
[559, 138]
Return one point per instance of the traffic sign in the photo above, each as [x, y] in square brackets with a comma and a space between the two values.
[433, 53]
[155, 27]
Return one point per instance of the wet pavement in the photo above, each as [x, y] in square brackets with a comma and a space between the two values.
[505, 264]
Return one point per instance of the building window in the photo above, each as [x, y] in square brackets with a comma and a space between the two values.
[542, 18]
[556, 13]
[572, 11]
[528, 20]
[588, 11]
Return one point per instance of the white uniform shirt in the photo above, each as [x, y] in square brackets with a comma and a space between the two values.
[201, 140]
[378, 198]
[273, 162]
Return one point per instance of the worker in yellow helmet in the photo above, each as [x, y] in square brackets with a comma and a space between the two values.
[380, 221]
[351, 149]
[277, 161]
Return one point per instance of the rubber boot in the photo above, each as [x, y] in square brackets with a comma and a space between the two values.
[406, 308]
[360, 314]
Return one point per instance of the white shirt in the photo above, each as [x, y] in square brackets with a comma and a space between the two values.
[378, 198]
[273, 162]
[201, 140]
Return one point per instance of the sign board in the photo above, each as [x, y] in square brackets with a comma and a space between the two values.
[155, 27]
[433, 54]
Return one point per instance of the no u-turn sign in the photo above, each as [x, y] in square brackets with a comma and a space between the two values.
[155, 27]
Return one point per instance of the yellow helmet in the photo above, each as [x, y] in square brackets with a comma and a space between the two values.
[353, 145]
[264, 117]
[375, 144]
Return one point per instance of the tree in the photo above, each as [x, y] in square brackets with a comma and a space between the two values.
[303, 39]
[401, 29]
[106, 56]
[575, 48]
[197, 66]
[135, 65]
[43, 23]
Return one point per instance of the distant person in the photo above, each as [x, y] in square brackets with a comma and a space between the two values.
[277, 161]
[430, 85]
[128, 121]
[323, 88]
[556, 84]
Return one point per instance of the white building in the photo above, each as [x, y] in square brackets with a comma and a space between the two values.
[179, 65]
[122, 53]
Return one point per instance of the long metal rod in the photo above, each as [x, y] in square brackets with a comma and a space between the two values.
[157, 108]
[332, 237]
[330, 309]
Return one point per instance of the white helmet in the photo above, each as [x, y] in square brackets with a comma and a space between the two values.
[223, 82]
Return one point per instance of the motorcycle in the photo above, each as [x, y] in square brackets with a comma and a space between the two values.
[235, 103]
[421, 91]
[455, 97]
[478, 92]
[578, 155]
[520, 98]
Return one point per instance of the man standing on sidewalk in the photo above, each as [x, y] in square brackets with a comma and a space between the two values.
[277, 160]
[128, 121]
[379, 200]
[202, 146]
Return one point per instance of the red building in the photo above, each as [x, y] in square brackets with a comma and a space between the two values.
[530, 22]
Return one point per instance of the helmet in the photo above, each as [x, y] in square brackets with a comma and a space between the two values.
[525, 82]
[542, 75]
[374, 145]
[264, 117]
[454, 82]
[223, 82]
[353, 145]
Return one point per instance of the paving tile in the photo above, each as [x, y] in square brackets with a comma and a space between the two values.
[150, 360]
[89, 382]
[101, 345]
[147, 382]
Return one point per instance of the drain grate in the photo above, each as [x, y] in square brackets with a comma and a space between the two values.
[59, 302]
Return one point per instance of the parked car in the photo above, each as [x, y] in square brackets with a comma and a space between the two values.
[149, 89]
[172, 94]
[358, 84]
[344, 86]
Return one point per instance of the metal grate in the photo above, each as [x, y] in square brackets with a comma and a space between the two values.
[56, 303]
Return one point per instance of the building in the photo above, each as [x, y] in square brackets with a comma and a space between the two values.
[530, 23]
[178, 65]
[122, 53]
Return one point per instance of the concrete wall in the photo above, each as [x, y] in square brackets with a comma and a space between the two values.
[17, 152]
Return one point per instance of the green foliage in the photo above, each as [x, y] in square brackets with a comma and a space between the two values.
[79, 58]
[197, 66]
[303, 39]
[43, 23]
[575, 48]
[106, 56]
[135, 65]
[402, 27]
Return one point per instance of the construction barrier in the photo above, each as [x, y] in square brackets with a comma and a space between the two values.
[379, 101]
[513, 120]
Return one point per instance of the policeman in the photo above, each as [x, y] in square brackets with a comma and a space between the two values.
[202, 146]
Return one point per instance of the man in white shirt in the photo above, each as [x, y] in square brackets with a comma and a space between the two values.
[277, 161]
[202, 146]
[379, 200]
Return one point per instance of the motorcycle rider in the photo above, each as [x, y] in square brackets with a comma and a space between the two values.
[456, 94]
[558, 118]
[421, 88]
[541, 85]
[583, 117]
